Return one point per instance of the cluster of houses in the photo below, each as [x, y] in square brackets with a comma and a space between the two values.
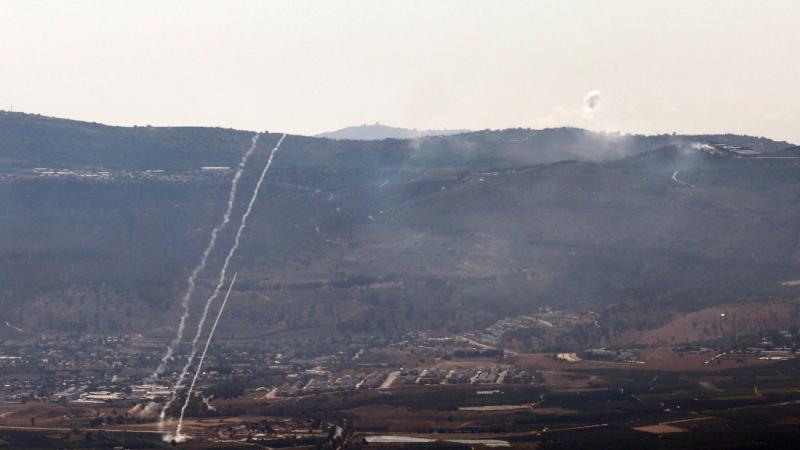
[548, 322]
[725, 149]
[71, 173]
[318, 380]
[104, 174]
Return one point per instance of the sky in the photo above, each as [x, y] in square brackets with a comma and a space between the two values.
[311, 66]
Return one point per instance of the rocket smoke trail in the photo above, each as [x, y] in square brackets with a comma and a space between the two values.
[179, 383]
[203, 259]
[202, 358]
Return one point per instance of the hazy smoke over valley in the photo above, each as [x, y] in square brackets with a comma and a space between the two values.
[465, 224]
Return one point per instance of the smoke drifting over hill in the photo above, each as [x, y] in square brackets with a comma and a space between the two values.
[472, 225]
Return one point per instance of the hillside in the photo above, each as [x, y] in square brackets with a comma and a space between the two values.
[387, 236]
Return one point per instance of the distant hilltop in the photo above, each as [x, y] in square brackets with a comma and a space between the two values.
[377, 132]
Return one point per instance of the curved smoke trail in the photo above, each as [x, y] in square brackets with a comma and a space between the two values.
[202, 358]
[179, 384]
[203, 259]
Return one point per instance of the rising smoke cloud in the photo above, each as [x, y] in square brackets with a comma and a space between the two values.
[590, 102]
[191, 281]
[572, 116]
[146, 411]
[223, 271]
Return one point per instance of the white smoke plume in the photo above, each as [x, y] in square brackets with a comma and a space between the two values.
[203, 357]
[179, 383]
[191, 282]
[147, 411]
[177, 439]
[590, 102]
[570, 116]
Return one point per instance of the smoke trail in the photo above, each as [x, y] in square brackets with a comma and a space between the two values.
[202, 358]
[203, 259]
[179, 384]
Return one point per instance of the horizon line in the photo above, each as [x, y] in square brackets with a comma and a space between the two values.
[460, 130]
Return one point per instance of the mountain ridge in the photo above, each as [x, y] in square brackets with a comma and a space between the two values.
[387, 236]
[378, 131]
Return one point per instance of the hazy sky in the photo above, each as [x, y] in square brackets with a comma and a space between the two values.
[309, 66]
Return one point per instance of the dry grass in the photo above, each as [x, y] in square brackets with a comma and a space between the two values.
[722, 320]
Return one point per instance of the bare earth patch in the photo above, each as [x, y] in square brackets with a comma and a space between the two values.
[660, 429]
